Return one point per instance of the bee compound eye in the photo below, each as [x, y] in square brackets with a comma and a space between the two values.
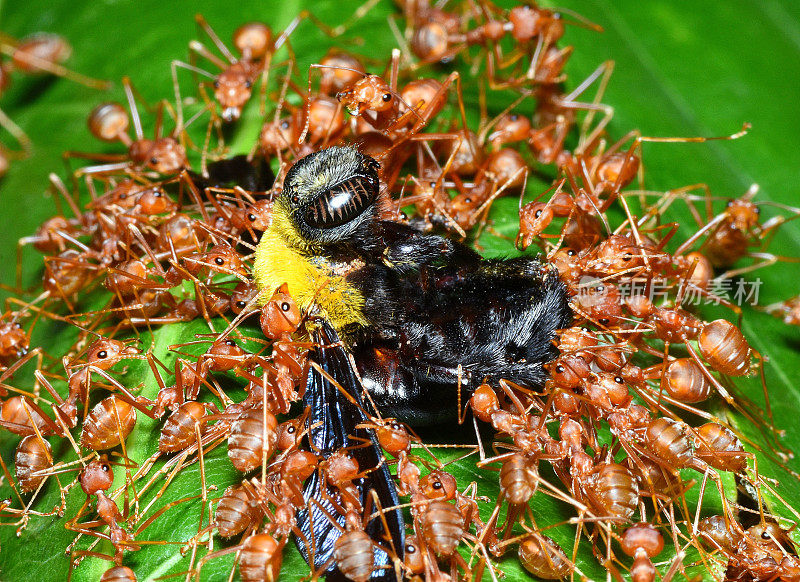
[342, 203]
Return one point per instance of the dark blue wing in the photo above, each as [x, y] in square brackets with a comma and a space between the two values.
[332, 422]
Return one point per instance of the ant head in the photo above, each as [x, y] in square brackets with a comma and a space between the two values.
[368, 93]
[105, 352]
[743, 215]
[96, 476]
[280, 315]
[438, 485]
[331, 195]
[166, 156]
[232, 89]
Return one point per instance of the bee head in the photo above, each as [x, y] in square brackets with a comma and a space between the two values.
[331, 194]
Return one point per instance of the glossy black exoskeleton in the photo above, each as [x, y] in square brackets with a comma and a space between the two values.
[422, 316]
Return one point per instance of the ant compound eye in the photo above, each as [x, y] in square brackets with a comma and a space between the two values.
[619, 380]
[387, 97]
[241, 304]
[437, 485]
[153, 161]
[560, 369]
[285, 306]
[105, 468]
[102, 354]
[411, 549]
[538, 213]
[230, 342]
[291, 430]
[251, 217]
[216, 84]
[219, 261]
[284, 124]
[248, 84]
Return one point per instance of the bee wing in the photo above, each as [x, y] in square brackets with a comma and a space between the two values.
[335, 411]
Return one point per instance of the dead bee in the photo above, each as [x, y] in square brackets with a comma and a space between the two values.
[422, 316]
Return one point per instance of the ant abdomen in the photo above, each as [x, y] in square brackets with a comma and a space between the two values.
[685, 381]
[108, 424]
[234, 512]
[443, 527]
[118, 574]
[354, 555]
[252, 438]
[260, 559]
[668, 441]
[612, 490]
[543, 557]
[33, 455]
[718, 446]
[109, 122]
[178, 432]
[518, 478]
[725, 348]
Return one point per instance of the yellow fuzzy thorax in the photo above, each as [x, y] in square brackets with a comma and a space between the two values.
[283, 256]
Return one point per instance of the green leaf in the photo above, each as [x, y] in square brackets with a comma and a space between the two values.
[679, 71]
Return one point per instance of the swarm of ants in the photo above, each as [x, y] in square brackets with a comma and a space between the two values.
[620, 436]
